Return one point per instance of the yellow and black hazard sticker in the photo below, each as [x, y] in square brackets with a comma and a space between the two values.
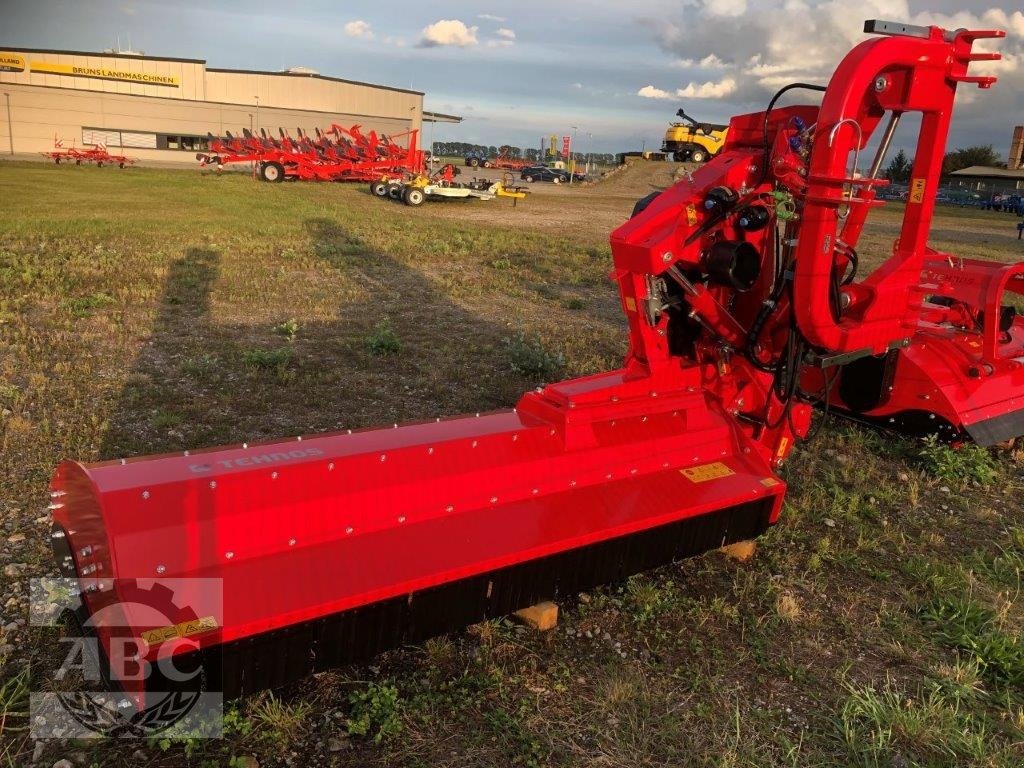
[691, 215]
[630, 304]
[184, 629]
[704, 472]
[769, 482]
[916, 191]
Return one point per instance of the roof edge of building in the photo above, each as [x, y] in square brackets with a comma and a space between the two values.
[430, 115]
[313, 76]
[17, 49]
[992, 171]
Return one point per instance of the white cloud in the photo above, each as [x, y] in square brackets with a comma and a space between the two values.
[650, 92]
[730, 8]
[359, 28]
[790, 40]
[448, 32]
[576, 86]
[711, 61]
[708, 90]
[506, 38]
[491, 17]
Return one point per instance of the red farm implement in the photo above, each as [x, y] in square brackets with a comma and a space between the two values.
[744, 310]
[96, 153]
[338, 154]
[503, 161]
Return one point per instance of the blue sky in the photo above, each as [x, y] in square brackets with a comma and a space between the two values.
[519, 70]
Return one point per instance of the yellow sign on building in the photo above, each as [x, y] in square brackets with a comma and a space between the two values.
[102, 73]
[12, 62]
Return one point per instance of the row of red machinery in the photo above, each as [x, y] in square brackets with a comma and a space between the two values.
[96, 153]
[337, 154]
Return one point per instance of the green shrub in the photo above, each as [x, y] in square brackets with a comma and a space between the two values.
[375, 712]
[528, 357]
[383, 340]
[289, 328]
[957, 465]
[276, 361]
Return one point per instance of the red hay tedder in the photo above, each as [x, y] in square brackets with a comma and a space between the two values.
[97, 153]
[338, 154]
[744, 310]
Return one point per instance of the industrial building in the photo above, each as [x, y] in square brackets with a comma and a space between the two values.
[163, 109]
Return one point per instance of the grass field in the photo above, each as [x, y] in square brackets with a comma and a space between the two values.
[146, 311]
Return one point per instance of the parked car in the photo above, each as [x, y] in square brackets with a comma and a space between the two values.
[543, 173]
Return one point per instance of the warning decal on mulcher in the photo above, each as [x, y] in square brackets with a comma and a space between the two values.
[184, 629]
[917, 190]
[705, 472]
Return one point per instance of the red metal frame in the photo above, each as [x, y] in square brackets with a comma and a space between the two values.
[337, 154]
[699, 417]
[98, 154]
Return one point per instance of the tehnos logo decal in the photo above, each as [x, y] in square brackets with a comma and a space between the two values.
[277, 457]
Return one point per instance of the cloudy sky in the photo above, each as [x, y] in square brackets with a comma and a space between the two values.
[518, 70]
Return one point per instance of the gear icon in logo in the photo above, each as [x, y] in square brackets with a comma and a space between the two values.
[97, 713]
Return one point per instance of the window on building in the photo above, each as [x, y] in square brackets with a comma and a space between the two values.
[100, 136]
[179, 142]
[139, 140]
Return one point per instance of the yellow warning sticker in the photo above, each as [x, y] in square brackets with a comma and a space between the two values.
[701, 474]
[916, 190]
[769, 482]
[631, 304]
[184, 629]
[783, 445]
[691, 215]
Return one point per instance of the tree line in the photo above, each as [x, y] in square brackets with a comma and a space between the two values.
[462, 148]
[901, 165]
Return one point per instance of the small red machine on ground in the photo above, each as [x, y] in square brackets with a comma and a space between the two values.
[744, 310]
[96, 153]
[338, 154]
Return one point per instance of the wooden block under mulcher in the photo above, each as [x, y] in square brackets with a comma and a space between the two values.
[541, 617]
[740, 551]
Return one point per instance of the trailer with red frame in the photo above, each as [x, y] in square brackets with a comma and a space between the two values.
[503, 161]
[337, 154]
[744, 309]
[96, 153]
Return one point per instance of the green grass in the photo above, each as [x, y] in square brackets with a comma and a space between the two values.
[878, 625]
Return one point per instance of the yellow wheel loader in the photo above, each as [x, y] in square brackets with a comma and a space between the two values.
[690, 141]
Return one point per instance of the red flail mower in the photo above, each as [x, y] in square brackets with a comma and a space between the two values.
[744, 309]
[338, 154]
[96, 153]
